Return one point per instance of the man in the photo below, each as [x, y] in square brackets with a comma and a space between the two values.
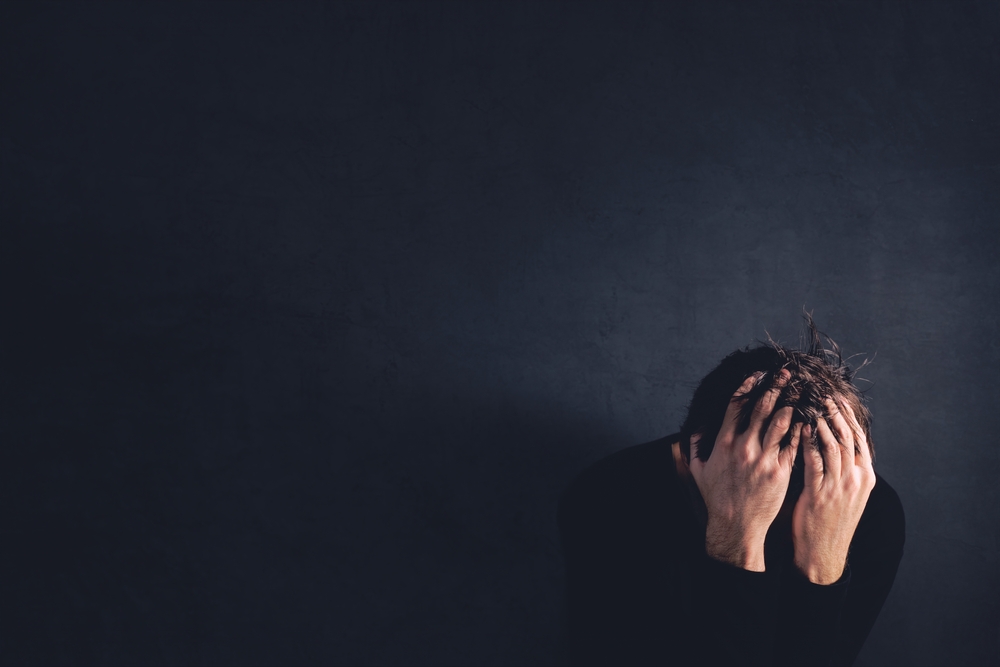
[759, 534]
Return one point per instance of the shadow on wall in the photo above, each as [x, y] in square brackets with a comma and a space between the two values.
[198, 480]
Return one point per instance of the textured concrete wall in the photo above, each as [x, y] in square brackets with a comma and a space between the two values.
[313, 310]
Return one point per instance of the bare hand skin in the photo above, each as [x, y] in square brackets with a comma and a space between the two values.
[744, 481]
[838, 480]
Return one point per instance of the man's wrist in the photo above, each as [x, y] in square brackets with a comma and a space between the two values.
[822, 573]
[745, 553]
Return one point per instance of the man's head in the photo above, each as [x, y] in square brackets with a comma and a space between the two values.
[817, 373]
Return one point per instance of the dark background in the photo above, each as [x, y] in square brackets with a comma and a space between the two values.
[312, 310]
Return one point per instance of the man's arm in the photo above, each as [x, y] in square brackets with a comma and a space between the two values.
[875, 555]
[826, 525]
[715, 603]
[845, 612]
[630, 602]
[745, 479]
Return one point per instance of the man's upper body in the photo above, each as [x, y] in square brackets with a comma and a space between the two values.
[641, 589]
[678, 556]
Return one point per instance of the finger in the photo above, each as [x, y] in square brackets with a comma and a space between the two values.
[762, 411]
[777, 430]
[793, 446]
[830, 450]
[859, 438]
[842, 430]
[812, 459]
[729, 423]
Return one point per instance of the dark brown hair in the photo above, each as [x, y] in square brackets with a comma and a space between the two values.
[817, 372]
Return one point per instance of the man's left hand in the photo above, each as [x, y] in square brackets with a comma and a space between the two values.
[838, 480]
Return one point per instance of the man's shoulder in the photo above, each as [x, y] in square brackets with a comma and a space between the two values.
[884, 518]
[624, 478]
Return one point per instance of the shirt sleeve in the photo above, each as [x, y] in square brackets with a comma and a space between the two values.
[840, 616]
[685, 608]
[810, 619]
[734, 609]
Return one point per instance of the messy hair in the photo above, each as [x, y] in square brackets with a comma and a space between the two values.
[818, 372]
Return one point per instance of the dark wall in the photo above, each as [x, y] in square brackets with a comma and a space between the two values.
[311, 311]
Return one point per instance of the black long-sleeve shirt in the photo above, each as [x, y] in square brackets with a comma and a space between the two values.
[641, 590]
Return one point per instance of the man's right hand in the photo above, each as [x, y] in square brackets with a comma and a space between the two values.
[745, 479]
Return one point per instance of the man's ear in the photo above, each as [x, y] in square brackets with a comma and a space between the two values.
[682, 459]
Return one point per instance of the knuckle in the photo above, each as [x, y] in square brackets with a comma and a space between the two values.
[858, 481]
